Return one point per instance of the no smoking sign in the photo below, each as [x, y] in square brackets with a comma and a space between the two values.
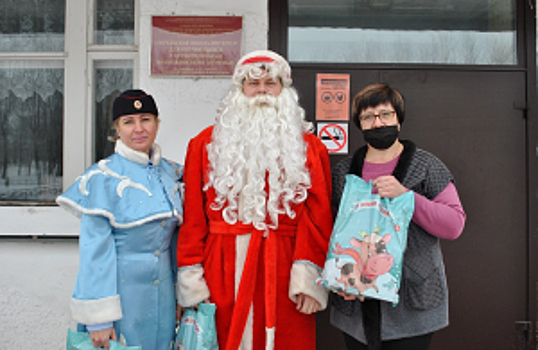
[334, 137]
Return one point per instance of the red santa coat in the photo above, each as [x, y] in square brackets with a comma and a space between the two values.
[239, 268]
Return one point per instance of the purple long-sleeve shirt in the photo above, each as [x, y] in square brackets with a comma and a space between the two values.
[442, 217]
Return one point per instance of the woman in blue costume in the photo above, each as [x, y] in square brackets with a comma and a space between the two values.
[130, 209]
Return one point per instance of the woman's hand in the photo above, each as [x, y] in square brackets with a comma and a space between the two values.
[389, 187]
[102, 337]
[307, 305]
[350, 296]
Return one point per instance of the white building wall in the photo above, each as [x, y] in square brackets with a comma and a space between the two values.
[36, 280]
[187, 105]
[37, 276]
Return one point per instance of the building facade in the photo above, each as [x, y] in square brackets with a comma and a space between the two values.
[466, 67]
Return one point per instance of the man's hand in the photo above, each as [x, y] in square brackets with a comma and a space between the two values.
[102, 337]
[206, 301]
[389, 187]
[307, 305]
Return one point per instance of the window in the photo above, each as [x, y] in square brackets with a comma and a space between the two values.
[470, 32]
[112, 57]
[32, 26]
[111, 78]
[114, 22]
[31, 102]
[31, 131]
[54, 117]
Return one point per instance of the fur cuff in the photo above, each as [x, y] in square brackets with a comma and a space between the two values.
[88, 312]
[303, 280]
[191, 286]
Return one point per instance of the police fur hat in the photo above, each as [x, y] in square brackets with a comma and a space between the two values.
[133, 102]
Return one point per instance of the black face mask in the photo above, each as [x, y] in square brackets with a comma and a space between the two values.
[381, 138]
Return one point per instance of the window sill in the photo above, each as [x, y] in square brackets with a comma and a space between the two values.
[37, 221]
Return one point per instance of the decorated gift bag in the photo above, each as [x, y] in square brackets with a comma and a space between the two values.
[197, 329]
[82, 341]
[368, 242]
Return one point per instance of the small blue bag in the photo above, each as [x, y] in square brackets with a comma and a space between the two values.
[368, 242]
[82, 341]
[197, 329]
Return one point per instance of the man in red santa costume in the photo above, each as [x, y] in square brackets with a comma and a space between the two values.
[257, 213]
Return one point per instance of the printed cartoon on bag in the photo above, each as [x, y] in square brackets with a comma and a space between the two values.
[371, 260]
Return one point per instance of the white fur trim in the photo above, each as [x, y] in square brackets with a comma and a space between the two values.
[124, 183]
[303, 280]
[89, 312]
[270, 338]
[191, 286]
[78, 210]
[241, 249]
[106, 171]
[138, 157]
[247, 341]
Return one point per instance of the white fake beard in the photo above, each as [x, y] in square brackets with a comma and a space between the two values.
[258, 141]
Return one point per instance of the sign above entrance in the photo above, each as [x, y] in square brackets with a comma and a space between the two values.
[332, 97]
[195, 45]
[334, 137]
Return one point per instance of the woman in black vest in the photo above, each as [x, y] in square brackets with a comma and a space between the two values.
[396, 166]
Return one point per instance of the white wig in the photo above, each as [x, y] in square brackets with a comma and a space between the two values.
[260, 63]
[257, 157]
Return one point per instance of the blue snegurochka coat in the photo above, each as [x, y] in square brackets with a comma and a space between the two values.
[130, 207]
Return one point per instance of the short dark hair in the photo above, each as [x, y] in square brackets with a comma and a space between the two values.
[374, 95]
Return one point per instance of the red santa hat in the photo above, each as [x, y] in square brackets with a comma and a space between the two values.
[260, 62]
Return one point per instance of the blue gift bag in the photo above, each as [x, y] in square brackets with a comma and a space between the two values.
[197, 329]
[82, 341]
[368, 242]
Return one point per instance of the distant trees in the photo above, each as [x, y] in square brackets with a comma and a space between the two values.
[31, 126]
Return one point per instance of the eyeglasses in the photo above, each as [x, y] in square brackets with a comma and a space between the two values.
[384, 116]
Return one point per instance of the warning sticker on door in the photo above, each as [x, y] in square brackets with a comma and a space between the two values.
[332, 97]
[334, 137]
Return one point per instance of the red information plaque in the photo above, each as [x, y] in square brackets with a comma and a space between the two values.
[195, 45]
